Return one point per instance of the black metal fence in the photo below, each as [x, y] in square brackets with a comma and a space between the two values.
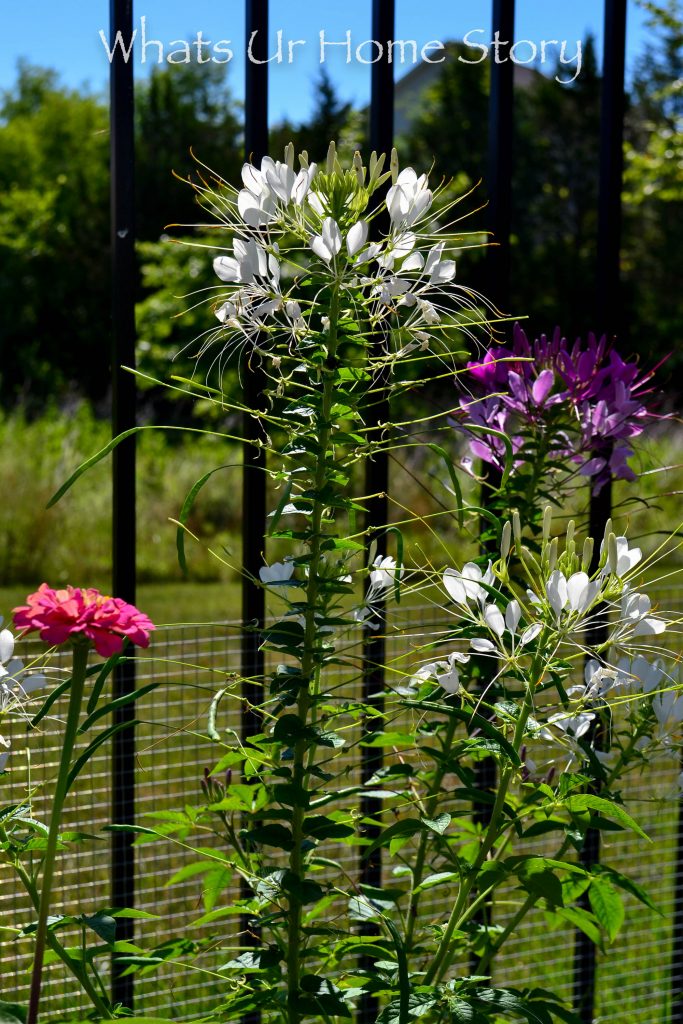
[499, 188]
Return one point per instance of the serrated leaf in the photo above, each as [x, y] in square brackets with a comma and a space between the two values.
[607, 906]
[581, 802]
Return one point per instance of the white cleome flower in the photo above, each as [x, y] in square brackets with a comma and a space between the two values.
[328, 243]
[466, 586]
[275, 181]
[409, 198]
[573, 595]
[277, 573]
[446, 673]
[383, 575]
[620, 559]
[635, 618]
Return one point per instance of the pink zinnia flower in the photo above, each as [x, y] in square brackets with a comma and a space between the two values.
[60, 615]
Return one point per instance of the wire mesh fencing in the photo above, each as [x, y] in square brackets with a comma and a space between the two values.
[190, 663]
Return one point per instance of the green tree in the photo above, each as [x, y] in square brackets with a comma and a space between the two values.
[54, 240]
[181, 110]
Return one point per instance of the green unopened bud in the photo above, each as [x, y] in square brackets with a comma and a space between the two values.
[289, 155]
[547, 523]
[331, 157]
[552, 554]
[394, 166]
[571, 527]
[529, 559]
[608, 530]
[587, 557]
[358, 168]
[612, 553]
[505, 539]
[517, 530]
[303, 159]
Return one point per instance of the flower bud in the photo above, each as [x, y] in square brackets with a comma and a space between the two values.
[517, 530]
[289, 155]
[552, 554]
[587, 556]
[394, 166]
[358, 168]
[571, 527]
[331, 157]
[303, 159]
[612, 553]
[505, 540]
[547, 523]
[608, 530]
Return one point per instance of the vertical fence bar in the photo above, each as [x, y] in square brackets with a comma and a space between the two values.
[253, 474]
[607, 306]
[499, 177]
[123, 465]
[499, 223]
[254, 458]
[377, 470]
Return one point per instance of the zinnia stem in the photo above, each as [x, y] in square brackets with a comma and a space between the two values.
[80, 664]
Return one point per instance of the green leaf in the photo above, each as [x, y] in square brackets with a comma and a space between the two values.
[320, 827]
[114, 705]
[93, 747]
[583, 920]
[12, 1013]
[104, 673]
[438, 824]
[440, 876]
[581, 802]
[607, 906]
[628, 885]
[102, 924]
[472, 720]
[273, 834]
[457, 490]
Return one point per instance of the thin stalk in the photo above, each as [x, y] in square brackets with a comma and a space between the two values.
[308, 667]
[442, 957]
[432, 806]
[80, 664]
[530, 902]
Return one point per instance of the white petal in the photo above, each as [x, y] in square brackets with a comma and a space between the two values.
[331, 235]
[530, 633]
[227, 269]
[493, 618]
[556, 590]
[357, 237]
[513, 614]
[481, 646]
[6, 646]
[320, 248]
[577, 585]
[452, 581]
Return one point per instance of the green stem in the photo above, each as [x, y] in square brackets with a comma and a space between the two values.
[300, 767]
[432, 807]
[443, 956]
[76, 968]
[80, 663]
[529, 903]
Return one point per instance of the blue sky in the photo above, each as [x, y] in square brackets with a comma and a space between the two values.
[64, 34]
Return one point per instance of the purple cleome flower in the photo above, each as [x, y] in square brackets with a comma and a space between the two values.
[602, 394]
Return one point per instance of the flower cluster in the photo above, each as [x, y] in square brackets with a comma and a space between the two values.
[545, 627]
[587, 400]
[318, 221]
[64, 615]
